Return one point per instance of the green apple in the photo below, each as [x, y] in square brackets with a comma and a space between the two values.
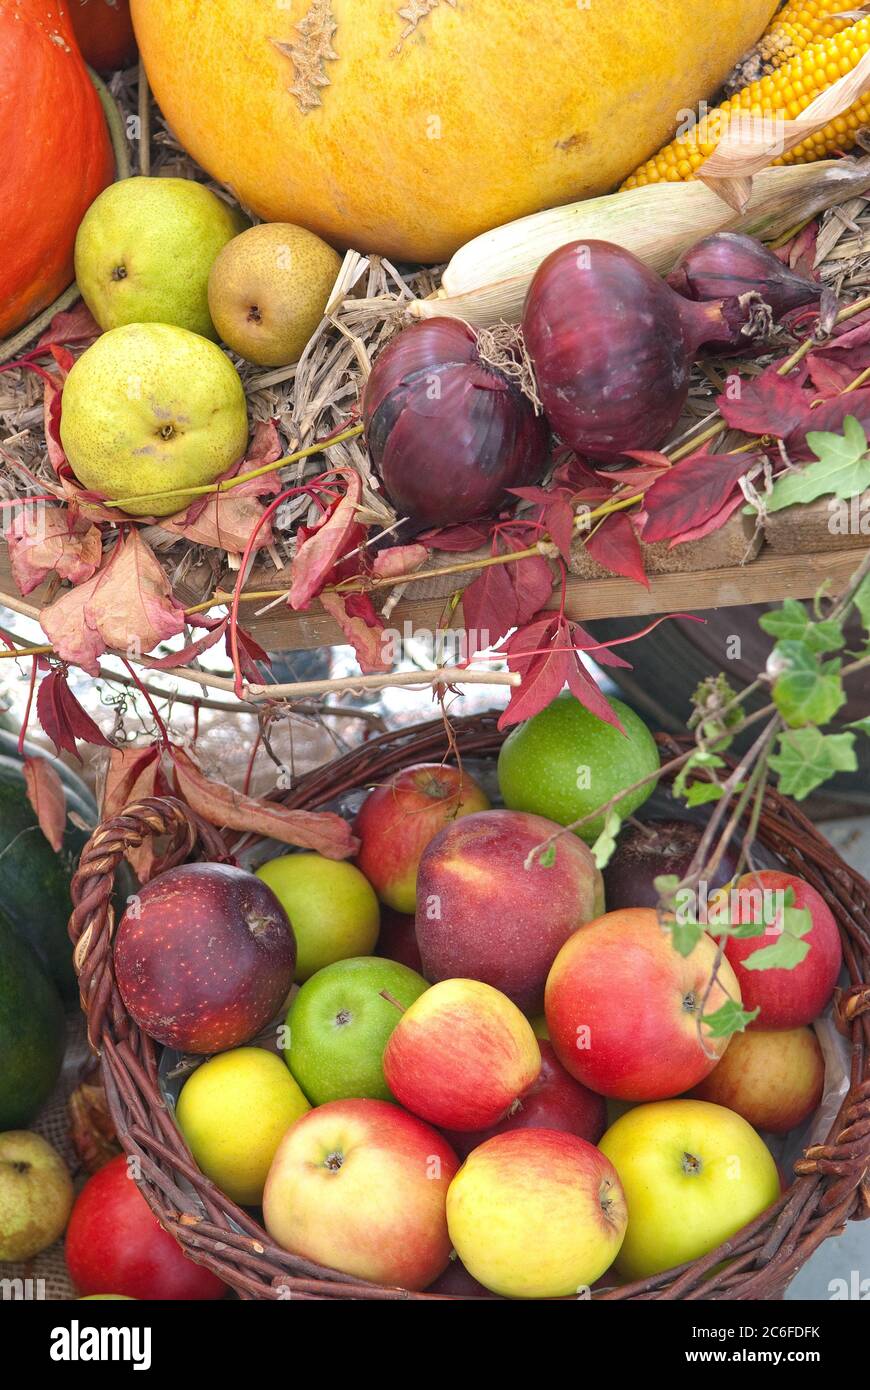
[566, 762]
[693, 1174]
[340, 1022]
[332, 907]
[36, 1195]
[145, 248]
[151, 406]
[233, 1111]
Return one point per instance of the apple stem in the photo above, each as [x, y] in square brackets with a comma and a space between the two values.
[391, 999]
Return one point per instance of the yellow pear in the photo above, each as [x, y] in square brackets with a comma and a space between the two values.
[268, 290]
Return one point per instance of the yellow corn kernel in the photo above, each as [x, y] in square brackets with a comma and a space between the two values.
[783, 94]
[797, 25]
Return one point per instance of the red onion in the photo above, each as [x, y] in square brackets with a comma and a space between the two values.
[447, 433]
[613, 346]
[730, 264]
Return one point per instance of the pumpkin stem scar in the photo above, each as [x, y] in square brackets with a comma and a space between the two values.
[310, 54]
[414, 13]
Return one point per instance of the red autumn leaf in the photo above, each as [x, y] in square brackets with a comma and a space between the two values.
[544, 653]
[51, 402]
[457, 539]
[321, 549]
[691, 492]
[62, 717]
[555, 513]
[652, 466]
[132, 776]
[76, 325]
[508, 595]
[45, 792]
[128, 606]
[89, 503]
[210, 638]
[829, 376]
[45, 540]
[829, 418]
[225, 521]
[362, 626]
[768, 404]
[615, 546]
[227, 808]
[399, 560]
[713, 523]
[250, 652]
[599, 651]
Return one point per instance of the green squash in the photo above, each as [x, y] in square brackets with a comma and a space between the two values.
[32, 1031]
[34, 880]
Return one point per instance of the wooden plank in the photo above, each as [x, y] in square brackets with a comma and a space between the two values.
[771, 577]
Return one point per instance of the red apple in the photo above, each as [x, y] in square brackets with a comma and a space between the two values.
[623, 1007]
[773, 1079]
[485, 911]
[461, 1055]
[361, 1187]
[647, 850]
[397, 940]
[116, 1245]
[399, 818]
[204, 957]
[554, 1101]
[786, 998]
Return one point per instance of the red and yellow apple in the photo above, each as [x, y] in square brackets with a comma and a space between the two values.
[360, 1186]
[623, 1007]
[693, 1174]
[786, 998]
[536, 1213]
[773, 1079]
[554, 1101]
[488, 908]
[399, 818]
[461, 1055]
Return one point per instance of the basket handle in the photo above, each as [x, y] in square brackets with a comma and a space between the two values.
[92, 922]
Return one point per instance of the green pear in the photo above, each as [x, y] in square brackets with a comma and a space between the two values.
[144, 250]
[150, 407]
[268, 291]
[36, 1195]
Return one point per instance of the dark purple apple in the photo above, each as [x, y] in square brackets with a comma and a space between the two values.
[554, 1101]
[204, 957]
[397, 939]
[646, 851]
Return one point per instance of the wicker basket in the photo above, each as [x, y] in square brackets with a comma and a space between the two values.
[833, 1179]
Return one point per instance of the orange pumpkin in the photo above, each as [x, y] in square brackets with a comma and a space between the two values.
[56, 155]
[104, 30]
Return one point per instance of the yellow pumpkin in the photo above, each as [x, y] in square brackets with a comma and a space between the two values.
[408, 126]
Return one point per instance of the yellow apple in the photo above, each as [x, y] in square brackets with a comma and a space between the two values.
[693, 1175]
[536, 1213]
[36, 1194]
[773, 1078]
[332, 907]
[234, 1111]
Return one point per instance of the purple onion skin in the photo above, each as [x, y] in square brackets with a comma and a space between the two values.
[613, 347]
[728, 264]
[447, 434]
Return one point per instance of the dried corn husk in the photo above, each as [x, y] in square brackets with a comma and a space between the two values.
[487, 279]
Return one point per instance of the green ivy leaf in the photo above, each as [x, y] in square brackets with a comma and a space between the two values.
[792, 622]
[685, 936]
[547, 857]
[602, 850]
[730, 1019]
[700, 793]
[862, 725]
[807, 691]
[789, 949]
[807, 758]
[843, 469]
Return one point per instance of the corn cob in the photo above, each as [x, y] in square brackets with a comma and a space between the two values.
[787, 93]
[798, 24]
